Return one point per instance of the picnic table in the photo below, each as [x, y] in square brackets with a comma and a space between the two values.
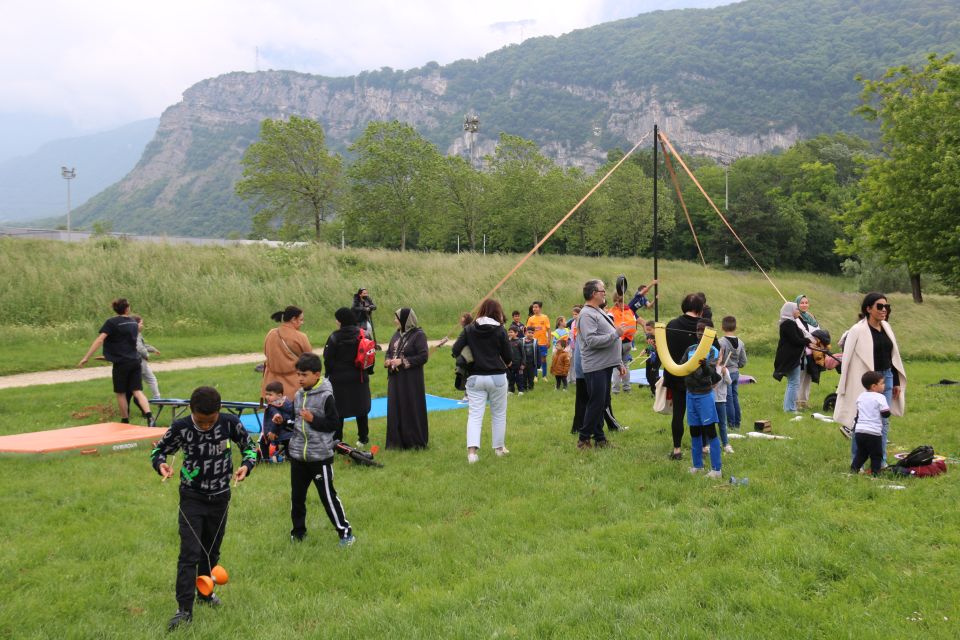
[179, 407]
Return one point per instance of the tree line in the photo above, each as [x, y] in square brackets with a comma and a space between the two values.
[807, 208]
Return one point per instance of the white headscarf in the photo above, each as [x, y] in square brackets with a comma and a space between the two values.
[786, 312]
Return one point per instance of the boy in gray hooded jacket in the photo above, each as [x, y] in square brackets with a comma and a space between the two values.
[310, 450]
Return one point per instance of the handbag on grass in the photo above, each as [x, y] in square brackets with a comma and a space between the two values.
[662, 402]
[462, 367]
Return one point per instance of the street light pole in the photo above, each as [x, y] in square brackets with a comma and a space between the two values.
[68, 175]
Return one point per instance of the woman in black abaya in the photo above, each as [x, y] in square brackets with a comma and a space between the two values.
[406, 394]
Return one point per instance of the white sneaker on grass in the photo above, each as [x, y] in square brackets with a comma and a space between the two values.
[728, 449]
[695, 470]
[472, 458]
[715, 475]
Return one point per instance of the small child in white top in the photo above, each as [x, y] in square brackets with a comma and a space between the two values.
[868, 425]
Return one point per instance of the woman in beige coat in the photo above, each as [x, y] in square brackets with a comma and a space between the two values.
[282, 347]
[870, 345]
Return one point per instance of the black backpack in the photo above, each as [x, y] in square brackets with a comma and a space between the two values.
[919, 457]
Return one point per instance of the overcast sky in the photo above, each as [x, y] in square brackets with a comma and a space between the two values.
[101, 63]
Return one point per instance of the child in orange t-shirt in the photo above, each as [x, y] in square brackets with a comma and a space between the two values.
[540, 324]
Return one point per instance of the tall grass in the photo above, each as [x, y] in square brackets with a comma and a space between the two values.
[54, 296]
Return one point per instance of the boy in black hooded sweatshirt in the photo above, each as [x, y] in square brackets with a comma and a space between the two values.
[204, 436]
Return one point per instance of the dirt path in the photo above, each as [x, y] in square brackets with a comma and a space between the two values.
[60, 376]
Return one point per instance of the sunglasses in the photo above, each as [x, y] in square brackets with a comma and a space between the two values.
[884, 307]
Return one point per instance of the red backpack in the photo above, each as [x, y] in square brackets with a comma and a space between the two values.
[366, 352]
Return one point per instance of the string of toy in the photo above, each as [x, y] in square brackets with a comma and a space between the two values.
[665, 141]
[676, 186]
[547, 236]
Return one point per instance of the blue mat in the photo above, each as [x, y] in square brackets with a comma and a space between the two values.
[378, 409]
[639, 376]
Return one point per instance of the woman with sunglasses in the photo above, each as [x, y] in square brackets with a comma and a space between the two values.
[870, 345]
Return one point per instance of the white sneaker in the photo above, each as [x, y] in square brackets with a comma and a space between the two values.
[728, 449]
[502, 451]
[472, 457]
[714, 475]
[706, 449]
[695, 470]
[520, 393]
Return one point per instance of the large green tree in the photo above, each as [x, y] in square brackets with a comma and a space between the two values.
[529, 193]
[394, 183]
[290, 177]
[464, 210]
[909, 204]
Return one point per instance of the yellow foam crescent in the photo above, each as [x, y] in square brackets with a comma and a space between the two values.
[688, 367]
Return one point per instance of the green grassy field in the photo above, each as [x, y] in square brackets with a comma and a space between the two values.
[546, 543]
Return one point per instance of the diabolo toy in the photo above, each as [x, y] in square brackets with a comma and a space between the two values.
[205, 584]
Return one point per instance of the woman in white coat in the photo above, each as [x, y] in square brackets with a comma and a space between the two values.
[870, 345]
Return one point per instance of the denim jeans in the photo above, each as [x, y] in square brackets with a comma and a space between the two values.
[480, 391]
[733, 400]
[722, 420]
[793, 386]
[888, 394]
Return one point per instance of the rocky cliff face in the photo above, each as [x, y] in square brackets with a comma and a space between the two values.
[741, 79]
[345, 108]
[200, 140]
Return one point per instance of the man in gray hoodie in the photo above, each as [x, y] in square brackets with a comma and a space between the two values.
[599, 341]
[311, 449]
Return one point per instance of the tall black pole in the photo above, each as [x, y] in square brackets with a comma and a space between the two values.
[656, 277]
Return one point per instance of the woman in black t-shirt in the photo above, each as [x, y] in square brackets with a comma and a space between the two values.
[118, 337]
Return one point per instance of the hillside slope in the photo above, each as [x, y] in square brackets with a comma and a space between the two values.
[210, 300]
[725, 82]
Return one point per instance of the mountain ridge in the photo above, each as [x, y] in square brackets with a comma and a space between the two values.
[725, 82]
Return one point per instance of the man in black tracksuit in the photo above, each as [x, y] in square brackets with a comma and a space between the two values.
[205, 437]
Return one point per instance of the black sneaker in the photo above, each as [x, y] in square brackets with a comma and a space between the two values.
[298, 537]
[211, 600]
[181, 617]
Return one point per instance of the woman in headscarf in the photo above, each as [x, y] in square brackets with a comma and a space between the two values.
[870, 345]
[810, 372]
[351, 386]
[790, 353]
[282, 347]
[406, 394]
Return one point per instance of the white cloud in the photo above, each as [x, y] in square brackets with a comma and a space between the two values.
[104, 62]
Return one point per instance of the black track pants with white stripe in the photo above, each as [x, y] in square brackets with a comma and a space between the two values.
[321, 475]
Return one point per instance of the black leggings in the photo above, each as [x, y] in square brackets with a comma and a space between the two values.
[679, 411]
[363, 430]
